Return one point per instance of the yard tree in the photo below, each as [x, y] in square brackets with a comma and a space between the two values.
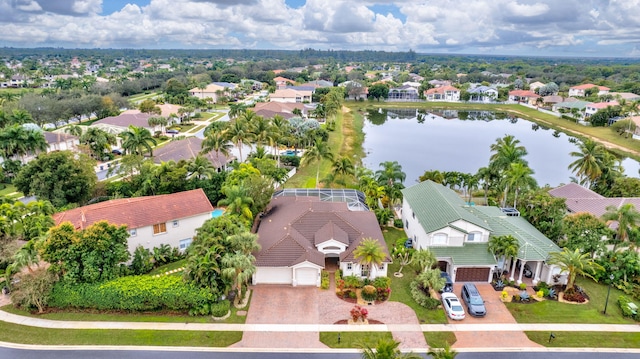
[33, 288]
[627, 217]
[424, 259]
[589, 161]
[99, 141]
[505, 151]
[504, 247]
[379, 91]
[369, 253]
[404, 256]
[88, 255]
[386, 349]
[60, 177]
[238, 267]
[431, 279]
[316, 153]
[237, 202]
[574, 263]
[544, 212]
[625, 187]
[138, 140]
[586, 232]
[518, 177]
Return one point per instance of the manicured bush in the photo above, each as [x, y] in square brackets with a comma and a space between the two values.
[369, 293]
[221, 308]
[623, 303]
[134, 293]
[574, 296]
[523, 286]
[290, 161]
[353, 282]
[421, 298]
[324, 281]
[397, 223]
[382, 282]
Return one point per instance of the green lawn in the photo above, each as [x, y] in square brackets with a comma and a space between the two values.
[440, 339]
[6, 188]
[550, 311]
[586, 339]
[168, 267]
[352, 339]
[400, 291]
[15, 333]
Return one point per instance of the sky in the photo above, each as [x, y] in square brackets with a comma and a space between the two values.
[593, 28]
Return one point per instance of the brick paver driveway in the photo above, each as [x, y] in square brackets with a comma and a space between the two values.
[497, 312]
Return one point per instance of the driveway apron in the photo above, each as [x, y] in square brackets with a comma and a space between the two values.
[497, 312]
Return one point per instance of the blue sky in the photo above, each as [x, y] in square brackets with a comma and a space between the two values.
[606, 28]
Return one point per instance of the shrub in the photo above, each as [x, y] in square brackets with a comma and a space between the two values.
[551, 293]
[516, 298]
[290, 161]
[383, 294]
[574, 296]
[543, 285]
[523, 286]
[353, 282]
[623, 303]
[369, 293]
[540, 293]
[221, 308]
[504, 295]
[140, 293]
[352, 294]
[358, 313]
[397, 223]
[382, 282]
[324, 281]
[421, 298]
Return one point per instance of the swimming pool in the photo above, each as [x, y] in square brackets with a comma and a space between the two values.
[217, 212]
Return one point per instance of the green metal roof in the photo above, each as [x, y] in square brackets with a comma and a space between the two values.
[476, 254]
[580, 105]
[436, 206]
[534, 246]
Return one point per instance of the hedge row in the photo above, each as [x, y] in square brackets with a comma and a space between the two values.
[133, 293]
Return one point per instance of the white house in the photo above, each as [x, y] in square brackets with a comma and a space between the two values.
[304, 230]
[152, 221]
[213, 90]
[290, 95]
[594, 107]
[435, 217]
[483, 94]
[580, 90]
[443, 93]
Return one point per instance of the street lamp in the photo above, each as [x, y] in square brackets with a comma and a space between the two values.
[606, 303]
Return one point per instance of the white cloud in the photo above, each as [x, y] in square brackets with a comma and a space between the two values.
[525, 10]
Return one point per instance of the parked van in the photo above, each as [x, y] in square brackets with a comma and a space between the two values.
[471, 296]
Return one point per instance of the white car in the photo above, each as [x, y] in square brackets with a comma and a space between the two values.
[452, 306]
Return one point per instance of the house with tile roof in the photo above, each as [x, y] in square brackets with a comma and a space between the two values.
[582, 199]
[580, 90]
[444, 93]
[526, 96]
[213, 90]
[152, 220]
[187, 149]
[483, 94]
[594, 107]
[291, 95]
[303, 231]
[436, 218]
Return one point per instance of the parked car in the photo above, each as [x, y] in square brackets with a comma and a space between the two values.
[452, 306]
[116, 152]
[448, 283]
[173, 132]
[471, 297]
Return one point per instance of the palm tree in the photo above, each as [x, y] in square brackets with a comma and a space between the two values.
[74, 130]
[435, 176]
[588, 165]
[238, 132]
[235, 110]
[386, 349]
[200, 168]
[505, 151]
[369, 253]
[218, 142]
[424, 259]
[35, 142]
[138, 140]
[98, 141]
[237, 201]
[238, 267]
[574, 263]
[627, 217]
[504, 247]
[26, 257]
[245, 242]
[260, 129]
[518, 176]
[372, 190]
[203, 265]
[390, 173]
[442, 353]
[316, 153]
[431, 278]
[343, 167]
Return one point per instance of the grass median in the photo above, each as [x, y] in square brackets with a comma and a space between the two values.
[586, 339]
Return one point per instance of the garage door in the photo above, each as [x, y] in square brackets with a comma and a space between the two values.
[472, 274]
[273, 275]
[306, 276]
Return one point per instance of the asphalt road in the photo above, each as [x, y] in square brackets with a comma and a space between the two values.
[141, 354]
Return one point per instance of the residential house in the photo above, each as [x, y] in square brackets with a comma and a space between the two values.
[581, 89]
[284, 109]
[151, 221]
[594, 107]
[628, 96]
[571, 106]
[187, 149]
[128, 118]
[443, 93]
[319, 83]
[535, 85]
[355, 90]
[56, 141]
[291, 95]
[213, 91]
[304, 230]
[282, 82]
[439, 83]
[483, 94]
[436, 218]
[581, 199]
[525, 96]
[403, 93]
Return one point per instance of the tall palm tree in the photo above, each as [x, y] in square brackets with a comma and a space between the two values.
[369, 253]
[245, 242]
[238, 133]
[574, 263]
[99, 141]
[200, 168]
[505, 151]
[390, 173]
[372, 190]
[504, 247]
[435, 176]
[280, 128]
[519, 176]
[138, 140]
[316, 153]
[237, 201]
[238, 267]
[424, 259]
[386, 349]
[588, 165]
[260, 128]
[218, 142]
[26, 257]
[236, 109]
[343, 167]
[627, 217]
[35, 142]
[74, 130]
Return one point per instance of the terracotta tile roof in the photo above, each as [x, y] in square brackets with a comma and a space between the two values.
[139, 212]
[580, 199]
[588, 86]
[441, 90]
[292, 226]
[126, 119]
[285, 107]
[187, 149]
[574, 190]
[523, 93]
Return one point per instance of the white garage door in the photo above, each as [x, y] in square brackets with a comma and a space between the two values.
[273, 275]
[306, 276]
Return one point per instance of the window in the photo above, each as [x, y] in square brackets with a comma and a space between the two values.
[439, 239]
[364, 270]
[406, 224]
[349, 266]
[133, 232]
[159, 228]
[413, 214]
[176, 223]
[184, 243]
[474, 237]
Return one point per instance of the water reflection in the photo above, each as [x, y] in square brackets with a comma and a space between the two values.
[459, 140]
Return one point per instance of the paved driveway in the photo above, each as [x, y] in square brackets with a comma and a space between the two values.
[497, 312]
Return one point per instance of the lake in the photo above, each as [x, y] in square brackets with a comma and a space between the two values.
[452, 140]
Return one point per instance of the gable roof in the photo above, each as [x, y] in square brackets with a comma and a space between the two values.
[441, 90]
[125, 119]
[186, 149]
[292, 226]
[139, 212]
[588, 86]
[57, 137]
[471, 254]
[574, 190]
[580, 199]
[436, 206]
[523, 93]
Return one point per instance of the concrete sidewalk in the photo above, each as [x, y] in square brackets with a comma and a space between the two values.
[55, 324]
